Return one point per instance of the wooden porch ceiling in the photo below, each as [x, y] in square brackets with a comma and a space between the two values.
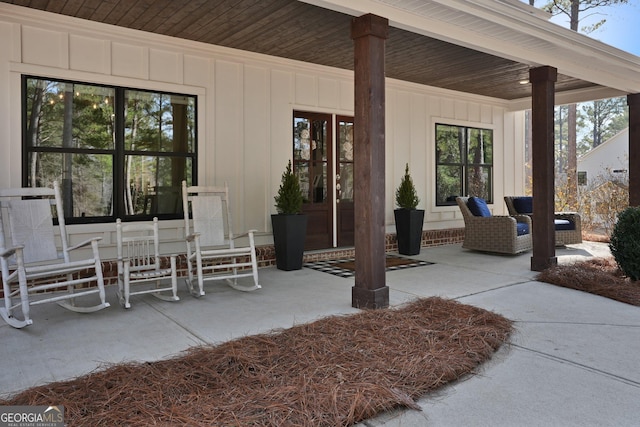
[295, 30]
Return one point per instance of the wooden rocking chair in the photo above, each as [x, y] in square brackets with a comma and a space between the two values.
[33, 266]
[139, 263]
[211, 252]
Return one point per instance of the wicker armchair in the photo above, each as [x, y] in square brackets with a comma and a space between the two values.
[494, 233]
[568, 225]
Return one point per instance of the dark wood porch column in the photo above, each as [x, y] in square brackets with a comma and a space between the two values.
[542, 104]
[369, 33]
[633, 101]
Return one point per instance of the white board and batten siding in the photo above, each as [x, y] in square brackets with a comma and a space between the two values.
[245, 107]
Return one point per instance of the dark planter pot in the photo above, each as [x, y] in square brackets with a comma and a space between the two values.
[409, 230]
[289, 232]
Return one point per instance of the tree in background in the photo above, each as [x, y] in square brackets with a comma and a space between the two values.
[605, 118]
[573, 10]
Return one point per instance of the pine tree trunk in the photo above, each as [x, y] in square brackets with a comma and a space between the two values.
[572, 160]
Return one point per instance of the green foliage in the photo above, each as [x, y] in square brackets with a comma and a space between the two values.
[573, 8]
[625, 242]
[605, 118]
[406, 195]
[289, 198]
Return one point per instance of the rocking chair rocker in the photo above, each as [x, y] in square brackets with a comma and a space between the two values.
[32, 265]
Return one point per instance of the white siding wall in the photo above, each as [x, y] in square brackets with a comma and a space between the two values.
[245, 105]
[610, 155]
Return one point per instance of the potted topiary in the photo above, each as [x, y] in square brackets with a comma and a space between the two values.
[409, 220]
[289, 224]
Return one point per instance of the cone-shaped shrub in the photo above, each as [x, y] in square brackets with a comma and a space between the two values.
[406, 195]
[289, 198]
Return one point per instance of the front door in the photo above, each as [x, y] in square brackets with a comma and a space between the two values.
[326, 177]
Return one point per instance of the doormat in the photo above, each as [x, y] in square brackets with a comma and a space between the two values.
[346, 267]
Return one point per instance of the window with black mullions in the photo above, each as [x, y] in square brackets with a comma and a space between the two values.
[464, 163]
[117, 152]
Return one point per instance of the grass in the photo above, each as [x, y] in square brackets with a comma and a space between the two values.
[336, 371]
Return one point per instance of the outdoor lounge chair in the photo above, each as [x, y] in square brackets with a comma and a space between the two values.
[568, 225]
[139, 263]
[33, 266]
[489, 233]
[211, 250]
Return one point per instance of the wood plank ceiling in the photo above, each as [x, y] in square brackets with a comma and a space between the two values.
[296, 30]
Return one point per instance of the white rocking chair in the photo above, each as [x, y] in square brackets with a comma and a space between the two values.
[139, 263]
[211, 253]
[32, 265]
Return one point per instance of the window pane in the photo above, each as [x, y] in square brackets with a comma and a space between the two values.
[449, 140]
[345, 164]
[480, 182]
[146, 143]
[319, 192]
[87, 177]
[153, 184]
[487, 137]
[302, 172]
[159, 122]
[449, 184]
[346, 182]
[479, 145]
[346, 141]
[319, 140]
[68, 115]
[582, 178]
[301, 139]
[464, 160]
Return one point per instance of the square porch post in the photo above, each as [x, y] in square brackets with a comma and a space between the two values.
[633, 101]
[542, 136]
[369, 33]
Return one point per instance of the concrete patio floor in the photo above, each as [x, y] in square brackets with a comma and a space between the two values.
[571, 362]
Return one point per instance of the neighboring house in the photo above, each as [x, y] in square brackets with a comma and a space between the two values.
[609, 159]
[206, 93]
[603, 173]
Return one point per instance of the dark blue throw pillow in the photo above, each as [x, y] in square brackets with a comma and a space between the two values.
[523, 205]
[478, 206]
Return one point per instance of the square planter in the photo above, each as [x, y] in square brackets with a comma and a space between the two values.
[409, 230]
[289, 232]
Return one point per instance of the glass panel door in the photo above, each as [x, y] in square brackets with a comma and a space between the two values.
[311, 163]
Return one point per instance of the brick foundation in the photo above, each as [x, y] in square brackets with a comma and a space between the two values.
[267, 257]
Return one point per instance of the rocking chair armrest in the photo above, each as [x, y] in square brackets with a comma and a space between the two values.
[11, 251]
[85, 243]
[192, 237]
[248, 233]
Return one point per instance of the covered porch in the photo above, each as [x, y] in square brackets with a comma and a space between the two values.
[503, 50]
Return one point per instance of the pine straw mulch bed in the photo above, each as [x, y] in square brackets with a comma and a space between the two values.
[600, 276]
[336, 371]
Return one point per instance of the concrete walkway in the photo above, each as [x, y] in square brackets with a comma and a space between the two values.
[571, 362]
